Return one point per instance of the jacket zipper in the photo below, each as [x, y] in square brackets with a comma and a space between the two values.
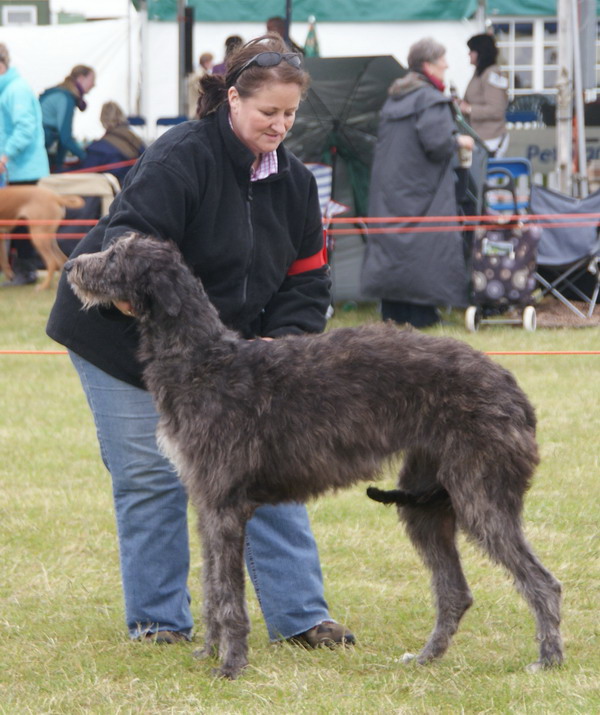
[249, 199]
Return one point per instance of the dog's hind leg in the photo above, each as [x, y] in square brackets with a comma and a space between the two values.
[498, 530]
[227, 622]
[432, 529]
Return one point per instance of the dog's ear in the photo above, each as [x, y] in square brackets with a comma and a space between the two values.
[164, 293]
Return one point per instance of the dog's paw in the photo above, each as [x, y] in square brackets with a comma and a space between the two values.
[229, 672]
[208, 651]
[409, 658]
[538, 666]
[534, 667]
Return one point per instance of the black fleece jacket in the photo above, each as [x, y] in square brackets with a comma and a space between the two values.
[192, 185]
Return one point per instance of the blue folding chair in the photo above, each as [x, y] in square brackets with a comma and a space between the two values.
[569, 251]
[512, 174]
[164, 123]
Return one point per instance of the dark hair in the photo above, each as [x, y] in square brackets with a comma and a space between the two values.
[213, 88]
[232, 43]
[486, 49]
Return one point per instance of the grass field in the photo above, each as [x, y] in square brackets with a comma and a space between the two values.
[64, 646]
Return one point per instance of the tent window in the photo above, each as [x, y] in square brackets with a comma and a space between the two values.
[19, 15]
[528, 54]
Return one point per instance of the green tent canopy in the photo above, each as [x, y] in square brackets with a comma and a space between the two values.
[347, 10]
[333, 11]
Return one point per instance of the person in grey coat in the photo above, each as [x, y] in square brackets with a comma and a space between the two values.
[413, 272]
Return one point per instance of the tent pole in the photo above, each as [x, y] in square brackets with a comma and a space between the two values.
[288, 20]
[564, 104]
[181, 106]
[581, 177]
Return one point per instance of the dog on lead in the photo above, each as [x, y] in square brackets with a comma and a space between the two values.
[36, 203]
[254, 422]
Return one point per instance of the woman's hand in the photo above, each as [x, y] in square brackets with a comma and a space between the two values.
[464, 107]
[465, 141]
[125, 307]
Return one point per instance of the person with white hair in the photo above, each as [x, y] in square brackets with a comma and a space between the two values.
[413, 271]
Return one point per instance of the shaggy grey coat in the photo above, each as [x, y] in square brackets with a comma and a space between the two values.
[255, 422]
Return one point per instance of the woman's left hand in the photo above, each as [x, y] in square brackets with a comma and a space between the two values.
[125, 307]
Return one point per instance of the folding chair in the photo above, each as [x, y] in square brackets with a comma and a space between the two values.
[164, 123]
[568, 256]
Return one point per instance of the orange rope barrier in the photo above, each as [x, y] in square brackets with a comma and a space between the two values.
[101, 167]
[45, 222]
[484, 217]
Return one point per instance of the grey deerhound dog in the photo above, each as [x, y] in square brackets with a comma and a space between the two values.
[254, 422]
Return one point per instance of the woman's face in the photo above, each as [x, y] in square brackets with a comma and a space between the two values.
[263, 119]
[473, 57]
[87, 81]
[438, 68]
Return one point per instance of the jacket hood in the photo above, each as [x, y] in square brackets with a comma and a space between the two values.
[407, 84]
[411, 94]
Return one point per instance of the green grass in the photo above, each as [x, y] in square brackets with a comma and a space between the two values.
[63, 644]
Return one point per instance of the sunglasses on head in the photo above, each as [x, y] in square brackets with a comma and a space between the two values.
[269, 59]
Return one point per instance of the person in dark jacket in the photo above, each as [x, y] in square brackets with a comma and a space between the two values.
[411, 271]
[118, 144]
[58, 107]
[245, 214]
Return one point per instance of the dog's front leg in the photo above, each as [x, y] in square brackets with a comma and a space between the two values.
[225, 608]
[212, 636]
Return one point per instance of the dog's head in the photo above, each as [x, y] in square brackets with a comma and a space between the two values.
[143, 271]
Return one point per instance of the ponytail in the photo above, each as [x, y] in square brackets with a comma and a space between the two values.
[213, 93]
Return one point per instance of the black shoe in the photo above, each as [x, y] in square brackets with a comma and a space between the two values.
[328, 633]
[24, 271]
[168, 637]
[20, 279]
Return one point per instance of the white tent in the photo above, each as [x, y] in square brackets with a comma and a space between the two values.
[138, 60]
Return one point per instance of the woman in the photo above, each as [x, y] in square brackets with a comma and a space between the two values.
[23, 159]
[58, 107]
[245, 215]
[411, 271]
[486, 96]
[118, 144]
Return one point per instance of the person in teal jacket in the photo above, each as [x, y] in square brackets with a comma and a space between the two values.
[23, 158]
[58, 108]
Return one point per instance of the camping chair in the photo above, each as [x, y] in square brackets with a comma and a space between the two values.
[568, 257]
[165, 123]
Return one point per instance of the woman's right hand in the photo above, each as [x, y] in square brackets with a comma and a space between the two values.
[465, 141]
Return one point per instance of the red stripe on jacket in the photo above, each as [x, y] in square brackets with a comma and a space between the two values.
[302, 265]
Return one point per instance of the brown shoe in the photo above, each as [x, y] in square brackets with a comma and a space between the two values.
[328, 633]
[169, 637]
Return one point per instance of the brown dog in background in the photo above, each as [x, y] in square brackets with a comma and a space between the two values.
[34, 203]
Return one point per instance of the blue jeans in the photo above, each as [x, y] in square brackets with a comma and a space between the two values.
[151, 511]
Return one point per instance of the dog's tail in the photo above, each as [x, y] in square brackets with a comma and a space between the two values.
[70, 201]
[398, 496]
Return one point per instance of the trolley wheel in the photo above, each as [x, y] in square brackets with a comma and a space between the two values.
[472, 318]
[529, 319]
